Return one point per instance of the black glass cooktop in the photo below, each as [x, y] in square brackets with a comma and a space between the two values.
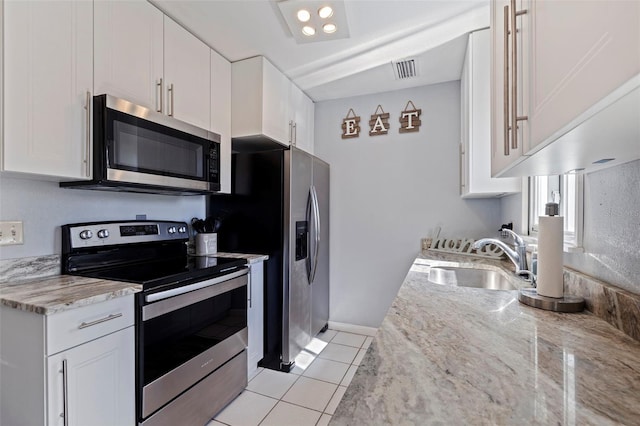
[168, 272]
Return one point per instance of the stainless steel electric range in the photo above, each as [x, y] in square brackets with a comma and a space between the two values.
[191, 316]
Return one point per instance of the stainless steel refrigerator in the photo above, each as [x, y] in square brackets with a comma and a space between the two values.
[280, 206]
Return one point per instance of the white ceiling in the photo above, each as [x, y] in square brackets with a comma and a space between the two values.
[431, 31]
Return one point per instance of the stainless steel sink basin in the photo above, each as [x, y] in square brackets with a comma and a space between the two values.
[468, 277]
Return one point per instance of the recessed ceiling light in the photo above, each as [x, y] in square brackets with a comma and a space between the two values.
[329, 28]
[604, 160]
[303, 15]
[325, 12]
[308, 31]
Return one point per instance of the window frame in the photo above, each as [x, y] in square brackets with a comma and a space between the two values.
[571, 205]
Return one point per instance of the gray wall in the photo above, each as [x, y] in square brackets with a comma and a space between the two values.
[388, 191]
[44, 206]
[611, 227]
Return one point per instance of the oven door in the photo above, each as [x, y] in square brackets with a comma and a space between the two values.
[186, 333]
[141, 146]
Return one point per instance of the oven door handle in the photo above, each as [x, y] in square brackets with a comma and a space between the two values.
[176, 298]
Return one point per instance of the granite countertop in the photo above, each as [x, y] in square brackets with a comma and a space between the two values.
[61, 293]
[251, 258]
[457, 355]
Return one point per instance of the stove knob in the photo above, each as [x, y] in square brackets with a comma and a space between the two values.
[86, 234]
[103, 233]
[182, 230]
[171, 230]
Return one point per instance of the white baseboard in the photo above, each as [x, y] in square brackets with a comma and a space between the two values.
[352, 328]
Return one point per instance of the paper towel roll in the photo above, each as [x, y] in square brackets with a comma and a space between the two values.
[550, 239]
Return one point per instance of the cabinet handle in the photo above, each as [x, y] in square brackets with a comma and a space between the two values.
[65, 394]
[295, 134]
[290, 131]
[87, 135]
[250, 294]
[514, 80]
[505, 79]
[170, 95]
[107, 318]
[462, 165]
[159, 91]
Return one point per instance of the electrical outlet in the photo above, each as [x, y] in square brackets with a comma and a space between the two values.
[11, 233]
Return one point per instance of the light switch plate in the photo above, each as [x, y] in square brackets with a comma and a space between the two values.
[11, 233]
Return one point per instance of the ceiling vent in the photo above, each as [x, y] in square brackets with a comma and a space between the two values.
[405, 68]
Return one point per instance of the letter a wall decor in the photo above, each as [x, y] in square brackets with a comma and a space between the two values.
[410, 119]
[379, 122]
[351, 125]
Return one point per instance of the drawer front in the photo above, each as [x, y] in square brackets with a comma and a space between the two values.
[76, 326]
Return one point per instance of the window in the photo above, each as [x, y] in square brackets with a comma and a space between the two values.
[566, 190]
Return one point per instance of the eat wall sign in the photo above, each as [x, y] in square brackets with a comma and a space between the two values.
[379, 123]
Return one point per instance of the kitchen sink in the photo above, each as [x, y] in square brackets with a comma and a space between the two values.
[470, 277]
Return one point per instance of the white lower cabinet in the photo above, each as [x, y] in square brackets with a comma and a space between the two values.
[92, 384]
[255, 317]
[72, 368]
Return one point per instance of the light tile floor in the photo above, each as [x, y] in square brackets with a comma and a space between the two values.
[309, 394]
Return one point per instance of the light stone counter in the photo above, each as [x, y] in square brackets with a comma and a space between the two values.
[456, 355]
[61, 293]
[251, 258]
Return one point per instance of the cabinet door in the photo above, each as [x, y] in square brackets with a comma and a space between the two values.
[255, 317]
[581, 51]
[93, 384]
[187, 73]
[48, 72]
[221, 114]
[475, 174]
[277, 120]
[504, 150]
[302, 110]
[128, 51]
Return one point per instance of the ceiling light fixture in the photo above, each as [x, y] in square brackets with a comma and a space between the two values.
[325, 12]
[329, 28]
[303, 15]
[311, 21]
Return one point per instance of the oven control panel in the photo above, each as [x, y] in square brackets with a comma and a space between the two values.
[112, 233]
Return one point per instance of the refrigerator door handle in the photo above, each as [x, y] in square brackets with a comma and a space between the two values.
[310, 213]
[316, 232]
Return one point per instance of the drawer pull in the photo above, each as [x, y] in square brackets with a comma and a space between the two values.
[107, 318]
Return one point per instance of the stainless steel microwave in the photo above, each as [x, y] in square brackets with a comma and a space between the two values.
[136, 149]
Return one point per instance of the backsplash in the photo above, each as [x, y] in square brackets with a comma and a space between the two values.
[617, 306]
[27, 268]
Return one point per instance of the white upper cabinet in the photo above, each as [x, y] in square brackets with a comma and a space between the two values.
[143, 56]
[266, 103]
[187, 63]
[475, 162]
[221, 114]
[259, 100]
[302, 113]
[505, 149]
[573, 87]
[579, 52]
[129, 51]
[48, 81]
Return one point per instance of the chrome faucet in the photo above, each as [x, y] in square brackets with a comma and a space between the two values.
[517, 256]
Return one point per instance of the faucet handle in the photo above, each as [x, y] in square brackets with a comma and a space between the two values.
[504, 232]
